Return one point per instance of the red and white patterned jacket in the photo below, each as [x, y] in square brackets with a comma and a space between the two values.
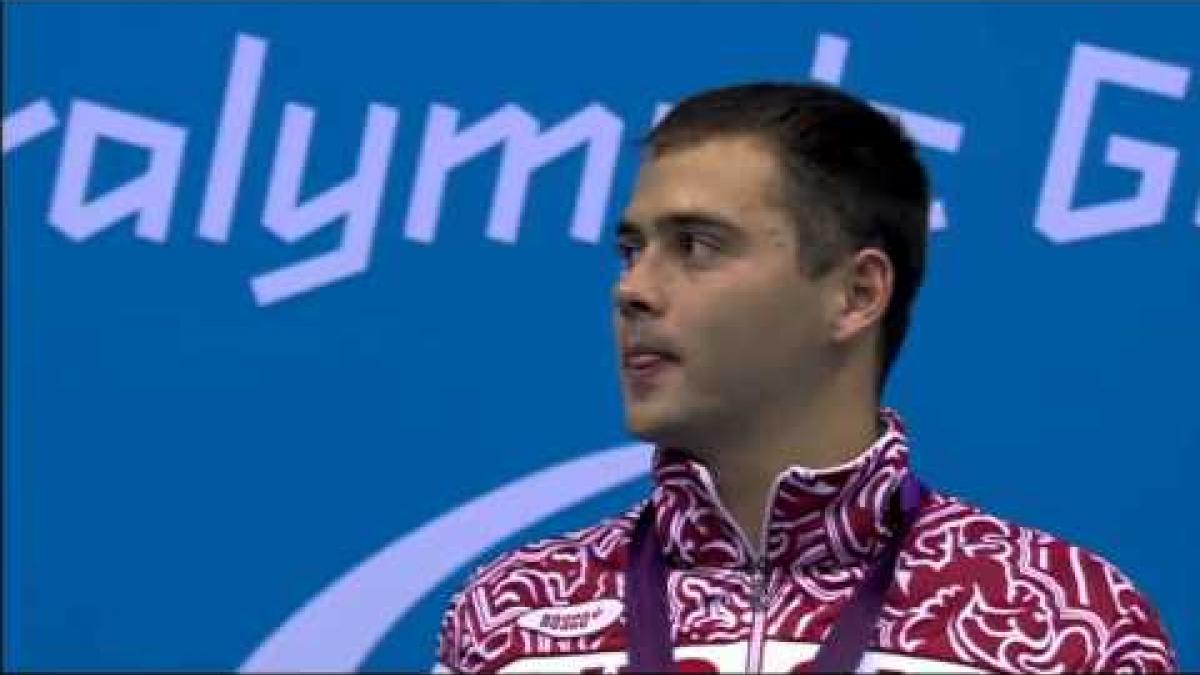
[972, 592]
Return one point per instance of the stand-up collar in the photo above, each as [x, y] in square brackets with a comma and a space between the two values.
[839, 515]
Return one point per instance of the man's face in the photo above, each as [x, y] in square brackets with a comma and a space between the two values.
[719, 327]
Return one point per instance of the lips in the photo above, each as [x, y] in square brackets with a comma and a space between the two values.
[646, 363]
[643, 367]
[645, 360]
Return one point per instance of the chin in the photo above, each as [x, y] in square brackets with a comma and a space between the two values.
[652, 426]
[642, 424]
[639, 429]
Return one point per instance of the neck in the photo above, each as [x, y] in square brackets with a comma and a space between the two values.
[819, 435]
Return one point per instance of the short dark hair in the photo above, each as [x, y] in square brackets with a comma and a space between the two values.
[851, 176]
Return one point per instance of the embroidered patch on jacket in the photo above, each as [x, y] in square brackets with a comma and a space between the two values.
[573, 620]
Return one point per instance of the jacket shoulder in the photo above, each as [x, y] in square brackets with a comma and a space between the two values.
[478, 631]
[1058, 596]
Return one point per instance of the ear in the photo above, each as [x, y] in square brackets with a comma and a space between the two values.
[865, 289]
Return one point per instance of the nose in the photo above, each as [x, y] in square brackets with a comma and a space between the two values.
[639, 293]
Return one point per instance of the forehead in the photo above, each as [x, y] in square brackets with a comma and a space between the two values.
[737, 178]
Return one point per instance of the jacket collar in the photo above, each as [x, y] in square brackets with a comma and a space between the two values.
[834, 516]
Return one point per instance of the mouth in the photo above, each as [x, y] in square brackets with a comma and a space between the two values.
[643, 368]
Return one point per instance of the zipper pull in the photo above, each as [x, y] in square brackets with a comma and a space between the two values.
[758, 580]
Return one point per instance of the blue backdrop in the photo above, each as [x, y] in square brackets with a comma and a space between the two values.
[299, 299]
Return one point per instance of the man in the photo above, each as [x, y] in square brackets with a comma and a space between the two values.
[772, 253]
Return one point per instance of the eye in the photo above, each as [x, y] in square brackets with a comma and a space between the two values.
[696, 246]
[627, 251]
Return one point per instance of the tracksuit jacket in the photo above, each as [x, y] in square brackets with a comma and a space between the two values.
[971, 593]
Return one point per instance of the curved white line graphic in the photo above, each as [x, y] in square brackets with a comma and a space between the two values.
[337, 629]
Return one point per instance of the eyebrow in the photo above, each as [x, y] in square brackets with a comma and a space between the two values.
[676, 221]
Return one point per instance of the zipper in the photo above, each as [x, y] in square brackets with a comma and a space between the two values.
[758, 604]
[758, 573]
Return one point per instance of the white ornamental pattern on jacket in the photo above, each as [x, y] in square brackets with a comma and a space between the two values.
[972, 591]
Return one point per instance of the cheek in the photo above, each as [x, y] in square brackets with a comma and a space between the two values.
[767, 324]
